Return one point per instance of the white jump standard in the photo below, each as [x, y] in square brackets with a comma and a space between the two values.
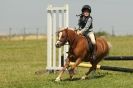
[56, 17]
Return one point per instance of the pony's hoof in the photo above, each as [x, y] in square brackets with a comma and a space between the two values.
[71, 78]
[57, 79]
[71, 71]
[84, 77]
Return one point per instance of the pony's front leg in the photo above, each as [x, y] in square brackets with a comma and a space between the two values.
[63, 69]
[71, 70]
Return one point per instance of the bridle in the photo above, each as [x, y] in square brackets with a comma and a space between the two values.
[64, 40]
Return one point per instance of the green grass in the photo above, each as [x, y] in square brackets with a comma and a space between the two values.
[121, 45]
[19, 60]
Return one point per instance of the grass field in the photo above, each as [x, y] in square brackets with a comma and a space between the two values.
[19, 60]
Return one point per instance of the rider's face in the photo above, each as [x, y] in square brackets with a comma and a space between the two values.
[86, 13]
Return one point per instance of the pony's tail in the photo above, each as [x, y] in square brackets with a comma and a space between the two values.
[109, 45]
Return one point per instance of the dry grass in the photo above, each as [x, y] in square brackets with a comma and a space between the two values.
[21, 37]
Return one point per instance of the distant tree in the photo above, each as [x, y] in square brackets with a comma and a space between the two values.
[102, 33]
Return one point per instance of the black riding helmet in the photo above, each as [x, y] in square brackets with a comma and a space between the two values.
[86, 7]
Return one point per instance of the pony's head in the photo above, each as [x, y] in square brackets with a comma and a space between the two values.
[62, 37]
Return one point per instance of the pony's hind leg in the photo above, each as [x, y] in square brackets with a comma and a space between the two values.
[87, 73]
[93, 68]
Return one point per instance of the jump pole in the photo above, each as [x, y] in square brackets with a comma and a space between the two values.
[84, 65]
[109, 68]
[118, 58]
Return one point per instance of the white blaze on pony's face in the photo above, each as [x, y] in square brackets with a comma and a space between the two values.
[62, 38]
[58, 43]
[60, 35]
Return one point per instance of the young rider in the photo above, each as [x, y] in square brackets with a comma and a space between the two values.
[86, 27]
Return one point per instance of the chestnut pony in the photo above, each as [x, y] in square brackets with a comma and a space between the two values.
[79, 50]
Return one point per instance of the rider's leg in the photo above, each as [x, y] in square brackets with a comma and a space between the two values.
[92, 38]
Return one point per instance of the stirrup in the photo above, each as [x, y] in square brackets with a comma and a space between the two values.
[93, 55]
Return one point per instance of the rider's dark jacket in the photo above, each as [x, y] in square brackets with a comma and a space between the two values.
[85, 24]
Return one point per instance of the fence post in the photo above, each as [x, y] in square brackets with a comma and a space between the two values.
[24, 33]
[10, 33]
[37, 33]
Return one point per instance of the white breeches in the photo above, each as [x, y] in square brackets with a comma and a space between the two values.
[92, 37]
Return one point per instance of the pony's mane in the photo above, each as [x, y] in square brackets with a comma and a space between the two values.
[63, 28]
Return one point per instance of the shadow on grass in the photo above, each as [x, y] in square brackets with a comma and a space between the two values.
[96, 76]
[89, 78]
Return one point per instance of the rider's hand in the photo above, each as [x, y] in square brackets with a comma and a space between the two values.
[79, 33]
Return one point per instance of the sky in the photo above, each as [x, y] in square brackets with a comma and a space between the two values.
[32, 14]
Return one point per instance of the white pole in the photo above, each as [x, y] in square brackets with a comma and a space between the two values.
[66, 24]
[49, 37]
[60, 25]
[67, 15]
[54, 38]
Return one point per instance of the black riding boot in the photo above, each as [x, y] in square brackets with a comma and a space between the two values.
[93, 53]
[92, 48]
